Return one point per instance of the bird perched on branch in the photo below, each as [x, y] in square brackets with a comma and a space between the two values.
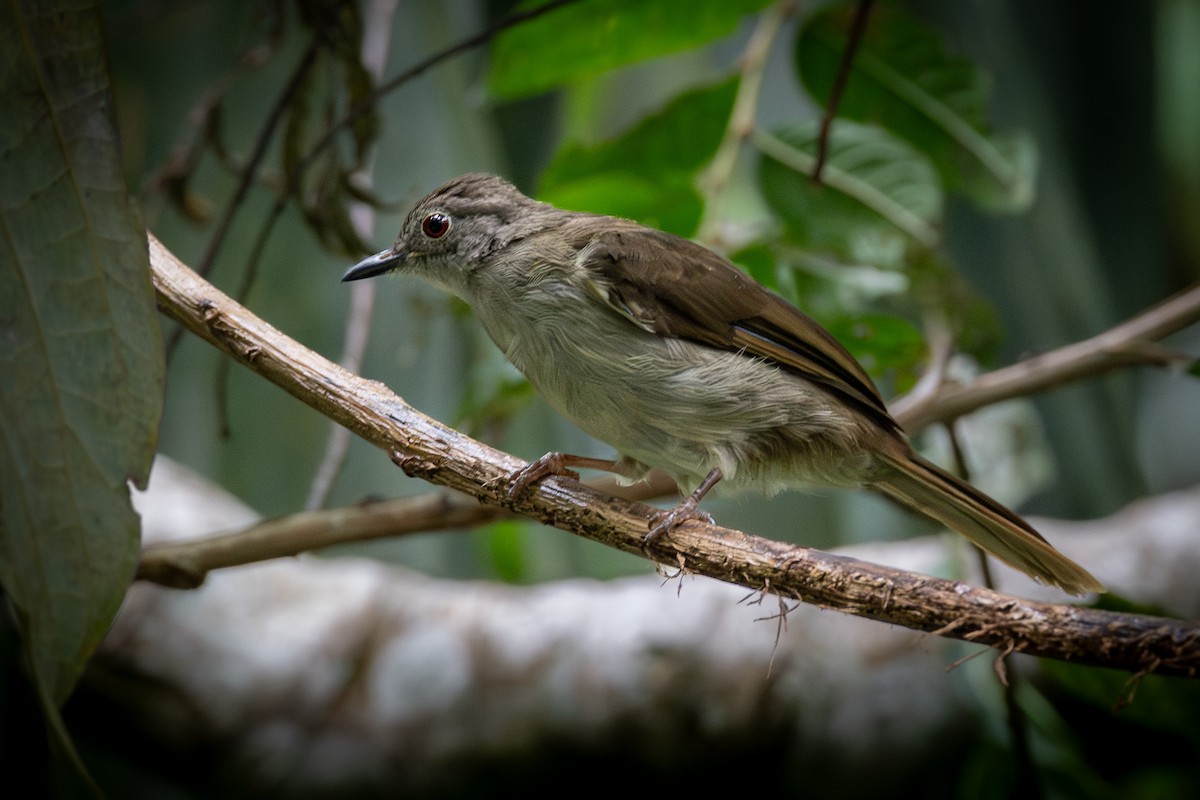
[671, 354]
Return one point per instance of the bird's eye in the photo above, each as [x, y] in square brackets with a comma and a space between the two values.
[435, 225]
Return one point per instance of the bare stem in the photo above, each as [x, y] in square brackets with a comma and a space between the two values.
[858, 28]
[1130, 343]
[377, 27]
[742, 117]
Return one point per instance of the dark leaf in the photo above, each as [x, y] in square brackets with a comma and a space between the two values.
[82, 354]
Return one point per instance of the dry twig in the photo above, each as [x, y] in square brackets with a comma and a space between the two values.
[434, 452]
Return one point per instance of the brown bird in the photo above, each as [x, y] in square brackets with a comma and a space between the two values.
[677, 358]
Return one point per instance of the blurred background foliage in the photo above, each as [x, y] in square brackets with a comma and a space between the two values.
[1025, 174]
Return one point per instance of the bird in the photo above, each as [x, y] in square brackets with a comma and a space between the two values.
[670, 353]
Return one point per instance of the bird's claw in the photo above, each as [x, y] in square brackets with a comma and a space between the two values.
[664, 522]
[521, 480]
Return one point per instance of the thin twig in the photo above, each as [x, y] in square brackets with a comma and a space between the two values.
[370, 100]
[1127, 344]
[742, 116]
[1027, 777]
[249, 171]
[376, 37]
[857, 29]
[184, 565]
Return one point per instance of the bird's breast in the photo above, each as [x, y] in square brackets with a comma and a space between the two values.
[674, 404]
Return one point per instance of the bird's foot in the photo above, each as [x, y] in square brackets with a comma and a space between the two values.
[664, 522]
[521, 480]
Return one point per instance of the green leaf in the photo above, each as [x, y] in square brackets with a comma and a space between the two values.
[670, 204]
[904, 79]
[681, 137]
[82, 357]
[647, 173]
[589, 37]
[882, 343]
[877, 197]
[760, 262]
[506, 548]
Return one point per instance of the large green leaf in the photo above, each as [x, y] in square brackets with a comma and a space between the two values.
[904, 79]
[81, 362]
[878, 198]
[591, 36]
[648, 173]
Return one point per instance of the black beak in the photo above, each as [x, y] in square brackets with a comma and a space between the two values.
[369, 267]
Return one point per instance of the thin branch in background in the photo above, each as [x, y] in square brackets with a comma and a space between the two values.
[742, 116]
[939, 341]
[185, 564]
[249, 171]
[858, 28]
[249, 273]
[959, 458]
[1028, 781]
[365, 105]
[377, 28]
[1133, 342]
[202, 128]
[1018, 724]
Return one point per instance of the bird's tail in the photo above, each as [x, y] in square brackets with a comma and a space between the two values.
[925, 487]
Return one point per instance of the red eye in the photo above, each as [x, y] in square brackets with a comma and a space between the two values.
[435, 225]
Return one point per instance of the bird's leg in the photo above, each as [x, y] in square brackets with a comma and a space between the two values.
[554, 464]
[666, 521]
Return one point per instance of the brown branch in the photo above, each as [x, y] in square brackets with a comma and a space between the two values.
[425, 448]
[858, 27]
[181, 565]
[273, 540]
[1130, 343]
[917, 410]
[186, 564]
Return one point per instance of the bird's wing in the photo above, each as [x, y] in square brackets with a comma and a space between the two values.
[674, 287]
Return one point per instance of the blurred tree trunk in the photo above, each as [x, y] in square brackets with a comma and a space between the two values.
[310, 676]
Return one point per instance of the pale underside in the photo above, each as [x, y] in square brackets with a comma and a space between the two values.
[660, 400]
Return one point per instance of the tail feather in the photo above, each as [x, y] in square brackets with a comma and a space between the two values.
[927, 488]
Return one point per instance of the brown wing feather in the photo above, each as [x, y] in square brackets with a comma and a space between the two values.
[693, 293]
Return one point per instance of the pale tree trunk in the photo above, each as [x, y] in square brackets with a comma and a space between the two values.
[317, 674]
